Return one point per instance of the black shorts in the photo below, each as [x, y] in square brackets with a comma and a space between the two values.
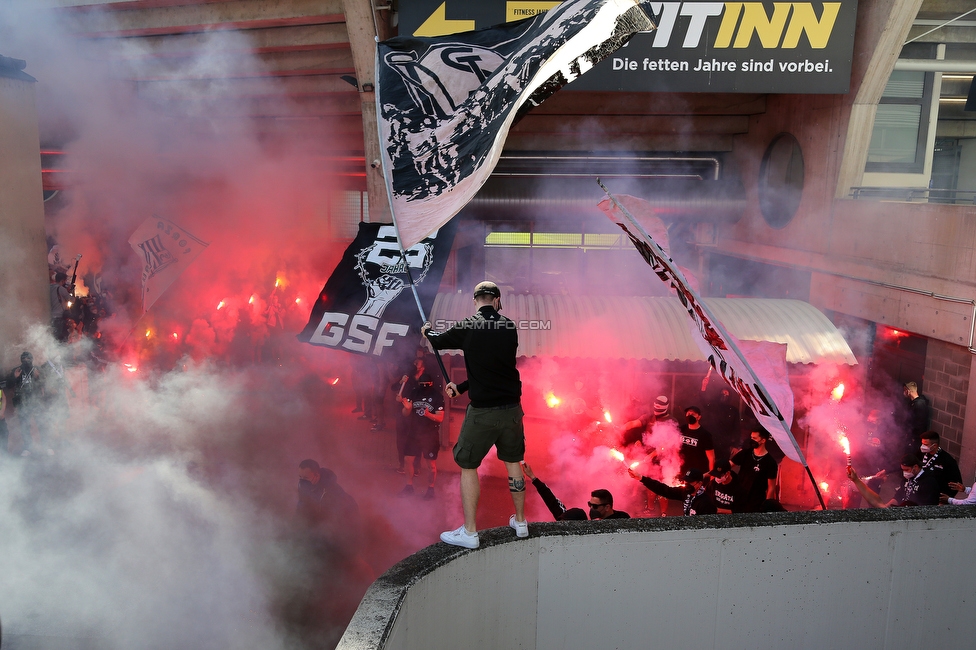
[426, 444]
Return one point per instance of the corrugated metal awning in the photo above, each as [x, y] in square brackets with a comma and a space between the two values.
[652, 328]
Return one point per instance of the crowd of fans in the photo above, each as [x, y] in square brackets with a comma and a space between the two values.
[746, 479]
[34, 396]
[718, 472]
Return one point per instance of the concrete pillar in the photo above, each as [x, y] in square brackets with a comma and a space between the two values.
[24, 293]
[894, 19]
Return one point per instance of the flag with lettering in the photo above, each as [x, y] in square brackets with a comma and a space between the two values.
[747, 366]
[445, 104]
[367, 306]
[166, 250]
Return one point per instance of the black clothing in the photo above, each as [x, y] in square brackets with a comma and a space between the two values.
[618, 514]
[325, 505]
[423, 434]
[26, 387]
[695, 502]
[559, 511]
[918, 422]
[944, 468]
[490, 343]
[754, 474]
[723, 422]
[728, 496]
[923, 490]
[694, 444]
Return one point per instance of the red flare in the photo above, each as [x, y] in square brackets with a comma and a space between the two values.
[838, 392]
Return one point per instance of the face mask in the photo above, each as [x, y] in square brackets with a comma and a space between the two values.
[594, 513]
[26, 364]
[908, 475]
[925, 449]
[692, 419]
[304, 483]
[751, 444]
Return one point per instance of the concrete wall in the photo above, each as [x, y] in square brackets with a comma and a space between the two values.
[24, 293]
[843, 579]
[947, 369]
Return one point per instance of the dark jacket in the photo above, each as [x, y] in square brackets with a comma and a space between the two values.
[696, 502]
[559, 511]
[489, 342]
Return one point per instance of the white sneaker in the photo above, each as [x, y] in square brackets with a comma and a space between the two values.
[521, 528]
[461, 537]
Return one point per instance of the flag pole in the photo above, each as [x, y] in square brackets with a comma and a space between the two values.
[764, 394]
[387, 182]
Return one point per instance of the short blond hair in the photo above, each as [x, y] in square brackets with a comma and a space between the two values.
[911, 385]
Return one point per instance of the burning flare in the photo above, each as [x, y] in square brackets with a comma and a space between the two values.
[251, 300]
[175, 335]
[220, 305]
[148, 334]
[334, 381]
[552, 401]
[616, 455]
[846, 444]
[837, 393]
[298, 301]
[824, 486]
[606, 416]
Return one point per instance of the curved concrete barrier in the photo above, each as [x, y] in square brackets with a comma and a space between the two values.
[898, 578]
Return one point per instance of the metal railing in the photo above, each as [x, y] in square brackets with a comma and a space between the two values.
[915, 195]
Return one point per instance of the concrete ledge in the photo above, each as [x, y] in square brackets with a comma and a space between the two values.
[373, 624]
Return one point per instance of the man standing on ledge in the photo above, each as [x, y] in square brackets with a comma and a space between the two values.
[494, 417]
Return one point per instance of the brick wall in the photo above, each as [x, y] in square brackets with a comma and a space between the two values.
[946, 384]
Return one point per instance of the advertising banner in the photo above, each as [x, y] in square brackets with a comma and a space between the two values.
[739, 47]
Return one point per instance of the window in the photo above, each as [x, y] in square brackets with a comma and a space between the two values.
[901, 124]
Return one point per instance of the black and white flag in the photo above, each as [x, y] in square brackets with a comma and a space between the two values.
[445, 104]
[366, 306]
[165, 250]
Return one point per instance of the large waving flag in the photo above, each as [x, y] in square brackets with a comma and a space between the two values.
[765, 359]
[445, 104]
[364, 307]
[166, 250]
[727, 355]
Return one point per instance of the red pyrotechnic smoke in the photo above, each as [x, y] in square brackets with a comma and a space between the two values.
[616, 455]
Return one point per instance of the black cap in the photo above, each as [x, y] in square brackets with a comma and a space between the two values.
[694, 475]
[722, 468]
[487, 288]
[26, 355]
